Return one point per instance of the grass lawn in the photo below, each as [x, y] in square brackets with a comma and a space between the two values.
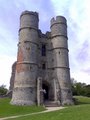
[82, 100]
[79, 112]
[10, 110]
[75, 112]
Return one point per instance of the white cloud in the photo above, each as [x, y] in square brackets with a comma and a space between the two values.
[9, 25]
[5, 69]
[82, 76]
[60, 6]
[78, 18]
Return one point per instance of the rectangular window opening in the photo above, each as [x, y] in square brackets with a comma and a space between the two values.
[43, 50]
[43, 66]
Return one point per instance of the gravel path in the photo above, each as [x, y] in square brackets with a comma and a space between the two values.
[48, 109]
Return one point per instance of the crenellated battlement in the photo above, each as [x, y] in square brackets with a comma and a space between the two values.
[58, 20]
[29, 19]
[30, 13]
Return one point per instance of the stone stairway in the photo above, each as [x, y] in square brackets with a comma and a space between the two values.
[52, 103]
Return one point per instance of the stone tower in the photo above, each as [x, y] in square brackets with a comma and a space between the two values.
[26, 70]
[60, 53]
[42, 70]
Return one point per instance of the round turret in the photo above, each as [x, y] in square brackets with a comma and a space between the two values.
[28, 26]
[58, 26]
[29, 19]
[24, 92]
[59, 41]
[60, 52]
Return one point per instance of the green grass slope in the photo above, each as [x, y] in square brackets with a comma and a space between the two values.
[81, 111]
[82, 100]
[76, 112]
[10, 110]
[71, 113]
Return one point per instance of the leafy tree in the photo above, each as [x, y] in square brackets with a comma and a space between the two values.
[3, 90]
[87, 90]
[79, 88]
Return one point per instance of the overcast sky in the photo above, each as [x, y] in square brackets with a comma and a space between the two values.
[77, 13]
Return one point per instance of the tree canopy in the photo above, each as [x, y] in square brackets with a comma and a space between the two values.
[3, 90]
[79, 88]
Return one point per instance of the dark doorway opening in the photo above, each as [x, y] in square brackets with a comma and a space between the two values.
[46, 93]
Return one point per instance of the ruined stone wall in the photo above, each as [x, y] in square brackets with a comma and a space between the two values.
[12, 79]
